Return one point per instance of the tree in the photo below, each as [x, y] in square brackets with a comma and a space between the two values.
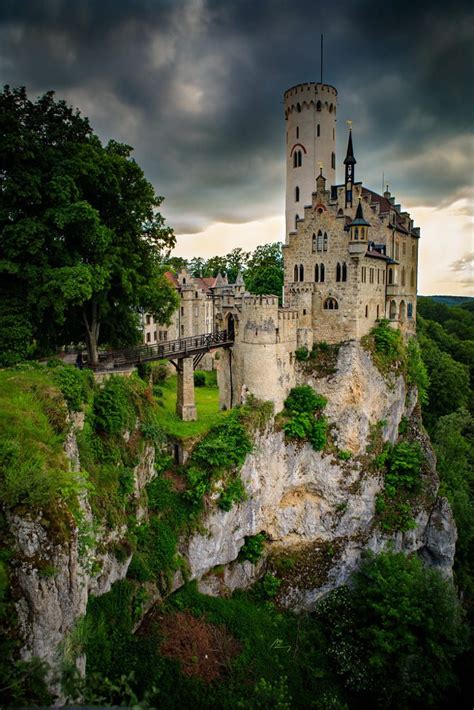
[264, 272]
[384, 632]
[81, 238]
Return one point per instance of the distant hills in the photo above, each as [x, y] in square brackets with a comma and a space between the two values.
[450, 300]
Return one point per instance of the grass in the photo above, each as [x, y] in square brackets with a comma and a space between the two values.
[207, 405]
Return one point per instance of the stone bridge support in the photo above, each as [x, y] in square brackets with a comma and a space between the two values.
[185, 403]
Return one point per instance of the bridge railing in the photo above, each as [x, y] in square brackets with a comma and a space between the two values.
[166, 349]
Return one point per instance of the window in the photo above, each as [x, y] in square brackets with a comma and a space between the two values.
[378, 312]
[296, 221]
[330, 304]
[401, 311]
[301, 272]
[378, 276]
[364, 275]
[340, 213]
[410, 310]
[148, 337]
[333, 160]
[154, 336]
[297, 131]
[344, 271]
[318, 129]
[295, 275]
[371, 276]
[383, 277]
[319, 243]
[298, 107]
[148, 320]
[196, 294]
[313, 242]
[412, 278]
[325, 242]
[397, 251]
[182, 330]
[390, 277]
[297, 194]
[297, 159]
[403, 276]
[318, 106]
[338, 272]
[334, 134]
[356, 233]
[393, 310]
[366, 311]
[160, 335]
[165, 335]
[182, 310]
[319, 273]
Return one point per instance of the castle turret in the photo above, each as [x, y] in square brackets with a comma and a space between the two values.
[310, 115]
[349, 162]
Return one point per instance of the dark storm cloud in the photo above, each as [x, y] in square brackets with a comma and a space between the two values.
[197, 88]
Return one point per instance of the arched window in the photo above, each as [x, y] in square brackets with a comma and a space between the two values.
[298, 107]
[297, 131]
[296, 221]
[330, 108]
[344, 272]
[295, 273]
[297, 194]
[316, 272]
[338, 272]
[401, 311]
[412, 278]
[366, 311]
[321, 273]
[410, 310]
[295, 159]
[318, 130]
[403, 276]
[318, 106]
[330, 304]
[320, 241]
[313, 242]
[340, 212]
[301, 272]
[356, 232]
[393, 310]
[325, 242]
[333, 160]
[390, 277]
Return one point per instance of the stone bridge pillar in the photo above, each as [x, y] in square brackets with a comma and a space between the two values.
[185, 403]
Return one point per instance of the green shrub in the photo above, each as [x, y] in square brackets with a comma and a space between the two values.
[226, 445]
[76, 385]
[402, 482]
[199, 378]
[269, 586]
[234, 492]
[253, 547]
[318, 433]
[304, 399]
[299, 426]
[159, 373]
[344, 455]
[113, 408]
[302, 353]
[417, 374]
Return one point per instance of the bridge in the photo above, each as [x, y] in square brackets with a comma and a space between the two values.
[184, 353]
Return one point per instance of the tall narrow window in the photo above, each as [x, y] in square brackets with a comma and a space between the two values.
[300, 158]
[366, 311]
[296, 221]
[378, 312]
[321, 273]
[410, 310]
[301, 272]
[313, 241]
[297, 131]
[356, 232]
[363, 277]
[316, 273]
[390, 277]
[344, 271]
[297, 194]
[333, 160]
[318, 106]
[295, 275]
[318, 130]
[320, 241]
[338, 272]
[412, 278]
[295, 159]
[325, 242]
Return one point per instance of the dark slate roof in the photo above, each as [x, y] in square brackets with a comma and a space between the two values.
[349, 159]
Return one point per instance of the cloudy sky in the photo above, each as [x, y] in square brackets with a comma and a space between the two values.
[196, 87]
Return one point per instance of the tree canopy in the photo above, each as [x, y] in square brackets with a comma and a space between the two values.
[81, 239]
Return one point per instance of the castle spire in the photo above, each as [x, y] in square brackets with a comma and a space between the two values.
[349, 162]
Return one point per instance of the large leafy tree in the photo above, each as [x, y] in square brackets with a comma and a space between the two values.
[81, 239]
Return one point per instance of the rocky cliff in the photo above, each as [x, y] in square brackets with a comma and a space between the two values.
[317, 509]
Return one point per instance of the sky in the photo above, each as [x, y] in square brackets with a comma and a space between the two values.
[196, 87]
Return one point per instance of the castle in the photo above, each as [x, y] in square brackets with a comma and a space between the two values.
[350, 260]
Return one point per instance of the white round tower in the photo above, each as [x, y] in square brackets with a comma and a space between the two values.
[310, 117]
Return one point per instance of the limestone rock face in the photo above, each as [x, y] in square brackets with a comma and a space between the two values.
[306, 500]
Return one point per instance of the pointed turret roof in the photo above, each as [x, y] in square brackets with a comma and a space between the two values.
[359, 220]
[239, 281]
[349, 159]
